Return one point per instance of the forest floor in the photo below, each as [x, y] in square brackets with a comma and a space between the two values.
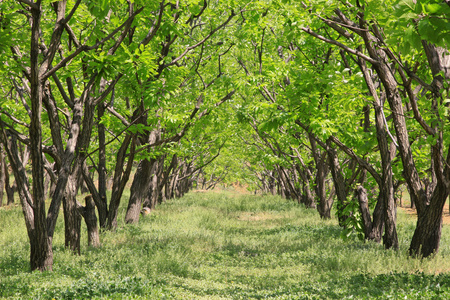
[224, 245]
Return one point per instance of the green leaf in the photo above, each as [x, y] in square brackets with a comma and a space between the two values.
[433, 8]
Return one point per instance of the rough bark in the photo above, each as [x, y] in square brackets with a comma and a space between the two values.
[386, 186]
[120, 179]
[65, 169]
[89, 181]
[88, 213]
[320, 159]
[427, 235]
[339, 182]
[72, 217]
[41, 257]
[378, 221]
[103, 213]
[361, 194]
[155, 184]
[139, 189]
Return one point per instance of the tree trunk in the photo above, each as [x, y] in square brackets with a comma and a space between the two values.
[323, 205]
[72, 217]
[52, 187]
[88, 213]
[89, 181]
[139, 189]
[386, 186]
[361, 194]
[102, 167]
[308, 196]
[41, 254]
[339, 183]
[41, 257]
[2, 174]
[272, 185]
[47, 183]
[427, 235]
[155, 185]
[10, 190]
[120, 178]
[378, 221]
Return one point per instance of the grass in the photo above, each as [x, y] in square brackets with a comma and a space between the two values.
[224, 245]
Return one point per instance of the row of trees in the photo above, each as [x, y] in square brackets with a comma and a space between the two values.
[353, 105]
[103, 87]
[316, 101]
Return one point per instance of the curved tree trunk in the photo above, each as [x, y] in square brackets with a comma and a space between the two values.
[386, 186]
[427, 235]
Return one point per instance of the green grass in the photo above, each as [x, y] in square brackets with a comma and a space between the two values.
[224, 245]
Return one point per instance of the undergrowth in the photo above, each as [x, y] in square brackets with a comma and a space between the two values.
[224, 245]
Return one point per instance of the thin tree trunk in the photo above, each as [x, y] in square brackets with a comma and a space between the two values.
[2, 174]
[102, 167]
[10, 190]
[339, 182]
[361, 194]
[378, 221]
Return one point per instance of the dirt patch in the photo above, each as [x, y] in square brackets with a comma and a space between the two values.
[412, 212]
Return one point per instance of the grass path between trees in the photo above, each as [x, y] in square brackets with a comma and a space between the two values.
[224, 245]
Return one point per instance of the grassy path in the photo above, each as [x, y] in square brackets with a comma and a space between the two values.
[224, 246]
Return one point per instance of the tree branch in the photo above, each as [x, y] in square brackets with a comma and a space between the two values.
[336, 43]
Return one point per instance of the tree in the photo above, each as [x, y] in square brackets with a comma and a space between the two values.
[37, 72]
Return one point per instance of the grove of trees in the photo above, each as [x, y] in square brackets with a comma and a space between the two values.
[340, 103]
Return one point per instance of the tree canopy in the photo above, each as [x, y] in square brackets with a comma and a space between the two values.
[323, 102]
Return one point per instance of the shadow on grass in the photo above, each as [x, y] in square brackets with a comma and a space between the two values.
[395, 285]
[319, 232]
[13, 264]
[85, 288]
[418, 285]
[10, 287]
